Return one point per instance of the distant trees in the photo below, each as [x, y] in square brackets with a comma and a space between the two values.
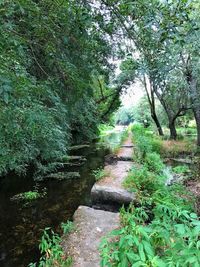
[162, 36]
[123, 116]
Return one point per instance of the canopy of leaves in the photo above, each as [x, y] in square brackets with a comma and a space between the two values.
[49, 52]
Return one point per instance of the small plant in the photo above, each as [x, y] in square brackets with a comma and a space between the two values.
[153, 162]
[67, 227]
[99, 174]
[51, 249]
[29, 196]
[181, 169]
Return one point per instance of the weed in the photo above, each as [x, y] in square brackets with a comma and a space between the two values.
[154, 163]
[67, 227]
[99, 173]
[181, 169]
[51, 249]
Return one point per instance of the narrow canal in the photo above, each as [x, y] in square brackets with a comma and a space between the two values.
[21, 226]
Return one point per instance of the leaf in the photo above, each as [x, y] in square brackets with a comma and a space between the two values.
[132, 257]
[141, 252]
[180, 228]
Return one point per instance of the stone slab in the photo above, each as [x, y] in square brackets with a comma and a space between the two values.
[110, 188]
[91, 225]
[106, 194]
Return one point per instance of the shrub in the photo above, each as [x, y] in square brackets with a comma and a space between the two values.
[140, 180]
[154, 163]
[143, 146]
[156, 145]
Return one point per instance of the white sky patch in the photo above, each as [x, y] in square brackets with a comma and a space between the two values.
[132, 95]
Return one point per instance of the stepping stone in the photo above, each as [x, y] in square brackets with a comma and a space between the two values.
[109, 189]
[90, 226]
[125, 153]
[128, 146]
[108, 194]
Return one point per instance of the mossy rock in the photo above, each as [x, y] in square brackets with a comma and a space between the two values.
[63, 175]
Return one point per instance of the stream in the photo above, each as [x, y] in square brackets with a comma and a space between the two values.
[21, 226]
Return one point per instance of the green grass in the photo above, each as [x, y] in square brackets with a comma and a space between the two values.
[100, 173]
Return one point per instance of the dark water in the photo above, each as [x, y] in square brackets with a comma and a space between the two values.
[21, 227]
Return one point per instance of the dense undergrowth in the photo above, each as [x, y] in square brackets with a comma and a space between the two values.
[162, 230]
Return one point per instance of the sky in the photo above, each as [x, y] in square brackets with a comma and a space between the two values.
[132, 96]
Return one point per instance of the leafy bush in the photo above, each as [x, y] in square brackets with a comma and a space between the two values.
[171, 239]
[156, 145]
[142, 181]
[143, 146]
[154, 163]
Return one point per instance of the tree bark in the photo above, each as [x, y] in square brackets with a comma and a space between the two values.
[157, 123]
[172, 128]
[197, 118]
[195, 100]
[151, 100]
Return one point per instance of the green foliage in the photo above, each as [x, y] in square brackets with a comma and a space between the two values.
[162, 230]
[29, 196]
[171, 239]
[154, 163]
[142, 181]
[47, 96]
[181, 169]
[146, 143]
[51, 249]
[99, 174]
[67, 227]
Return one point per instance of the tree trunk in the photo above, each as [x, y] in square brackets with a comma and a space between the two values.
[151, 100]
[195, 99]
[158, 125]
[197, 118]
[172, 128]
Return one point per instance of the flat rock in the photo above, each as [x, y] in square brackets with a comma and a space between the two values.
[77, 147]
[108, 194]
[126, 150]
[128, 146]
[183, 161]
[91, 225]
[110, 189]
